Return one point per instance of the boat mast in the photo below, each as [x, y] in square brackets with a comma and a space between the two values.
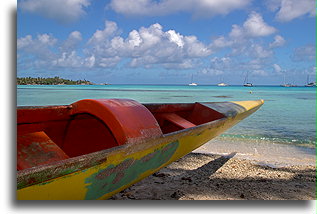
[284, 79]
[307, 81]
[246, 78]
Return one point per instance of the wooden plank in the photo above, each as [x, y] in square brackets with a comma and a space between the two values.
[177, 120]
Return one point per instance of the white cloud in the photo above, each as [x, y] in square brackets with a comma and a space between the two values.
[239, 35]
[90, 61]
[145, 47]
[278, 42]
[64, 11]
[304, 53]
[243, 39]
[221, 63]
[234, 65]
[109, 62]
[195, 48]
[151, 36]
[110, 30]
[255, 26]
[46, 39]
[247, 52]
[211, 71]
[218, 66]
[71, 60]
[24, 42]
[175, 37]
[277, 68]
[259, 51]
[201, 8]
[221, 42]
[134, 39]
[259, 73]
[40, 46]
[72, 41]
[291, 9]
[45, 51]
[237, 32]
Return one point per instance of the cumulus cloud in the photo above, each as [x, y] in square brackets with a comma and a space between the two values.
[245, 50]
[255, 26]
[277, 68]
[68, 60]
[40, 46]
[288, 10]
[211, 72]
[110, 30]
[243, 40]
[259, 73]
[64, 11]
[41, 52]
[259, 51]
[146, 47]
[232, 65]
[106, 48]
[36, 52]
[159, 8]
[304, 53]
[278, 42]
[72, 41]
[218, 66]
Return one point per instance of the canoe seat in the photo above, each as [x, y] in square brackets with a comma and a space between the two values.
[177, 120]
[34, 149]
[99, 124]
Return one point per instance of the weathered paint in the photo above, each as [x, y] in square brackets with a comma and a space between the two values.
[84, 184]
[36, 149]
[74, 186]
[128, 120]
[115, 176]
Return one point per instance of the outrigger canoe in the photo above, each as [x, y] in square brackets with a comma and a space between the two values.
[93, 149]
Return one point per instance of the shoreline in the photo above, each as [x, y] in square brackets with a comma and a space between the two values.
[202, 176]
[262, 152]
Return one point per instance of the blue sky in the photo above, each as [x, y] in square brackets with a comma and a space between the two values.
[166, 42]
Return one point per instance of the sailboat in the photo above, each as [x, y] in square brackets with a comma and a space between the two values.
[246, 83]
[310, 84]
[192, 82]
[222, 83]
[284, 84]
[287, 84]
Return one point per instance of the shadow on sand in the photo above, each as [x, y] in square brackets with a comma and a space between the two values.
[211, 181]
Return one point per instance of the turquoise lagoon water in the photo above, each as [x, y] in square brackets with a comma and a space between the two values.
[288, 115]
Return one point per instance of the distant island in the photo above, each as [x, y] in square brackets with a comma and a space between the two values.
[50, 81]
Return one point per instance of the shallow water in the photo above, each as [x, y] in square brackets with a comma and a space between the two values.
[261, 151]
[287, 116]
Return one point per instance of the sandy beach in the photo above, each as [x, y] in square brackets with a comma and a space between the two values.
[199, 176]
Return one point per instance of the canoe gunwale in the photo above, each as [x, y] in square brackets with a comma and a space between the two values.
[75, 164]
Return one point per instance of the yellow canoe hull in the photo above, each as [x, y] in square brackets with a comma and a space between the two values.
[112, 170]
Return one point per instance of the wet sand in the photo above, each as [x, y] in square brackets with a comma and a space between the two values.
[199, 176]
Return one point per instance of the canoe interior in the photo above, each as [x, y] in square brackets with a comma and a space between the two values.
[54, 133]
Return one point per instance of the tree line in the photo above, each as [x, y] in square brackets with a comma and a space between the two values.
[50, 81]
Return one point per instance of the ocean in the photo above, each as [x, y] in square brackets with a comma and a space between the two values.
[286, 121]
